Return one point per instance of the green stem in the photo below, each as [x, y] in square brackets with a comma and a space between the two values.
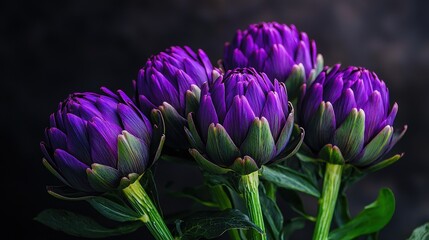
[221, 198]
[150, 216]
[249, 185]
[331, 186]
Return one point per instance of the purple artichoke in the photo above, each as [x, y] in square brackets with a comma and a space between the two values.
[349, 109]
[97, 143]
[280, 51]
[243, 121]
[165, 82]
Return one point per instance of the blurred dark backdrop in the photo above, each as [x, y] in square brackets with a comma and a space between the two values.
[49, 49]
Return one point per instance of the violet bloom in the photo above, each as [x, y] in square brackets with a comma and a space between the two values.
[350, 108]
[97, 143]
[164, 83]
[279, 50]
[243, 122]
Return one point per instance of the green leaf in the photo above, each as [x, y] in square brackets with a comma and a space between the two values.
[210, 225]
[372, 219]
[158, 135]
[81, 226]
[295, 80]
[288, 178]
[420, 233]
[113, 210]
[272, 214]
[192, 99]
[132, 154]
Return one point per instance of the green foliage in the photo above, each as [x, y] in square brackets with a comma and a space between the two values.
[82, 226]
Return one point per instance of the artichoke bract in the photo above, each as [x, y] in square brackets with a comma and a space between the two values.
[243, 122]
[350, 109]
[96, 143]
[164, 83]
[278, 50]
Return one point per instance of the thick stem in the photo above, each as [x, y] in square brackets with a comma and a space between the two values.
[221, 198]
[249, 185]
[150, 216]
[331, 186]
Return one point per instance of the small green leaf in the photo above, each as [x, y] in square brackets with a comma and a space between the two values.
[420, 233]
[81, 226]
[349, 136]
[192, 134]
[295, 80]
[376, 147]
[210, 225]
[67, 193]
[244, 165]
[113, 210]
[158, 135]
[288, 178]
[331, 154]
[220, 146]
[383, 164]
[192, 99]
[322, 125]
[132, 154]
[259, 143]
[372, 219]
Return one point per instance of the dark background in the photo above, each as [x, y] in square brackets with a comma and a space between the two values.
[51, 48]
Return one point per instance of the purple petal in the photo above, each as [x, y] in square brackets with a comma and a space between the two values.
[279, 63]
[273, 112]
[374, 115]
[248, 46]
[332, 89]
[72, 170]
[103, 141]
[344, 105]
[184, 82]
[204, 59]
[360, 92]
[280, 88]
[311, 102]
[303, 56]
[56, 138]
[238, 59]
[206, 115]
[195, 71]
[218, 96]
[391, 117]
[238, 119]
[134, 123]
[256, 97]
[107, 107]
[146, 106]
[257, 59]
[77, 138]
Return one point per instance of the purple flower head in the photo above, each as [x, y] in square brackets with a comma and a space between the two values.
[166, 82]
[243, 121]
[349, 108]
[167, 76]
[96, 143]
[276, 49]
